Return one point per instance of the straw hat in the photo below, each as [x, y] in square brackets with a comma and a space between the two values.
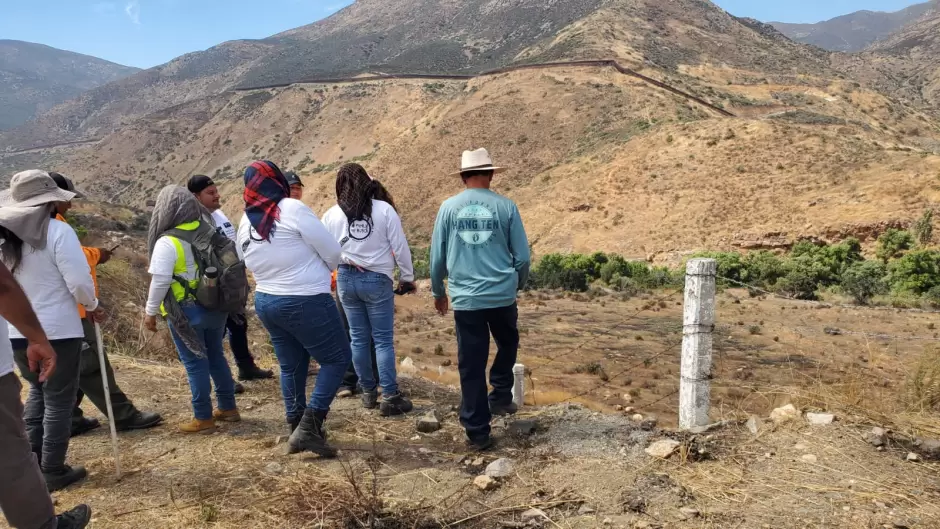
[33, 188]
[478, 160]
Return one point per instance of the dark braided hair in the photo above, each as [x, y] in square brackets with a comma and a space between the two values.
[355, 191]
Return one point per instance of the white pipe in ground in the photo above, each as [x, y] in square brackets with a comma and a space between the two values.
[518, 384]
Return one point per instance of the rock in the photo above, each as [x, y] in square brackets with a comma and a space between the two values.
[607, 521]
[877, 436]
[820, 419]
[808, 458]
[689, 512]
[523, 427]
[636, 504]
[637, 417]
[429, 422]
[663, 449]
[785, 414]
[501, 468]
[800, 446]
[629, 410]
[930, 448]
[832, 331]
[627, 398]
[273, 468]
[585, 509]
[280, 439]
[478, 462]
[911, 456]
[754, 424]
[533, 514]
[485, 483]
[408, 366]
[648, 424]
[618, 407]
[416, 438]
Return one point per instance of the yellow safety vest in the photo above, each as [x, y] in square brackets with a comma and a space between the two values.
[179, 269]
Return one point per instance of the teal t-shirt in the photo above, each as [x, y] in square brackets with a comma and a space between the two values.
[480, 245]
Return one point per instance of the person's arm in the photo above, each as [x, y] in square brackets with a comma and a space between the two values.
[162, 263]
[400, 249]
[71, 262]
[519, 247]
[16, 309]
[316, 236]
[438, 263]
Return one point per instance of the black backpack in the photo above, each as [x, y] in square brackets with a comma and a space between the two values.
[228, 290]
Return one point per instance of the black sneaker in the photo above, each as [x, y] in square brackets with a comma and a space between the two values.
[395, 405]
[139, 421]
[76, 518]
[254, 373]
[370, 399]
[509, 408]
[481, 444]
[310, 435]
[60, 479]
[82, 425]
[239, 389]
[345, 392]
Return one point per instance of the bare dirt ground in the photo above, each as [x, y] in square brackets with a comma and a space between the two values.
[585, 466]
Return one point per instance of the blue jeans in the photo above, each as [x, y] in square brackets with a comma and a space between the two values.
[301, 328]
[368, 299]
[210, 327]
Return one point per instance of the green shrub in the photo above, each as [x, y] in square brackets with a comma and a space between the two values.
[730, 265]
[916, 272]
[864, 280]
[893, 243]
[800, 280]
[826, 262]
[421, 260]
[762, 268]
[923, 229]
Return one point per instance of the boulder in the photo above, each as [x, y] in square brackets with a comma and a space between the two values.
[820, 419]
[429, 422]
[877, 436]
[485, 483]
[523, 427]
[784, 414]
[501, 468]
[663, 449]
[929, 448]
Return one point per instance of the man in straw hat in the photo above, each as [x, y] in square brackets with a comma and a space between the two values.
[126, 415]
[480, 245]
[23, 496]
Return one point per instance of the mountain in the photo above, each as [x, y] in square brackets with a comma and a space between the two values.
[855, 31]
[35, 77]
[710, 131]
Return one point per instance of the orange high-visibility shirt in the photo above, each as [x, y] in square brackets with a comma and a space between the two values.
[93, 256]
[333, 281]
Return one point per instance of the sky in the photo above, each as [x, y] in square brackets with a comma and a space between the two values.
[147, 33]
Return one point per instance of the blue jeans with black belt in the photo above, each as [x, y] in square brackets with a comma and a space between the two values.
[301, 328]
[209, 368]
[369, 301]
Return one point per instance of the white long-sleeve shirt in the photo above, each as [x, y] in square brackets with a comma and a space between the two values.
[299, 258]
[55, 279]
[376, 246]
[6, 350]
[162, 263]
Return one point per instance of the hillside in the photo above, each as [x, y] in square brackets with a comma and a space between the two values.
[34, 78]
[855, 31]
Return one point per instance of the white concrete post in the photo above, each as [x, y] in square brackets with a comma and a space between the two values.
[518, 384]
[698, 325]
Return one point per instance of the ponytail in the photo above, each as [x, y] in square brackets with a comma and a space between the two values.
[11, 248]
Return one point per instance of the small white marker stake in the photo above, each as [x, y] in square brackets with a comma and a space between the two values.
[518, 384]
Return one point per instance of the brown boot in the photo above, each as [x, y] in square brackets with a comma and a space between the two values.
[227, 415]
[198, 426]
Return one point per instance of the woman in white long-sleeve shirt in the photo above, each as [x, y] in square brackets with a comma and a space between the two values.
[374, 243]
[291, 256]
[46, 258]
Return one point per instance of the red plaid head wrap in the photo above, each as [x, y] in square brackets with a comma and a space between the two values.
[265, 187]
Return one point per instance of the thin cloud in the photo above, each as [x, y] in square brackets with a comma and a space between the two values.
[104, 8]
[132, 9]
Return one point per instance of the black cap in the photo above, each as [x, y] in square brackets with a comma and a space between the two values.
[64, 182]
[293, 179]
[198, 183]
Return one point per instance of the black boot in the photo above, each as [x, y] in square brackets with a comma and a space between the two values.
[141, 420]
[254, 372]
[370, 399]
[76, 518]
[82, 425]
[309, 435]
[292, 424]
[59, 479]
[395, 405]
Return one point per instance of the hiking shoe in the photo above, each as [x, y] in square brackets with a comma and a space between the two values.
[76, 518]
[309, 435]
[370, 399]
[345, 393]
[227, 415]
[198, 426]
[480, 445]
[395, 405]
[60, 479]
[82, 425]
[141, 420]
[239, 388]
[293, 423]
[509, 408]
[254, 373]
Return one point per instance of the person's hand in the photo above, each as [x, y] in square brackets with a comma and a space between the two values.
[442, 305]
[98, 315]
[150, 322]
[105, 255]
[42, 359]
[406, 287]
